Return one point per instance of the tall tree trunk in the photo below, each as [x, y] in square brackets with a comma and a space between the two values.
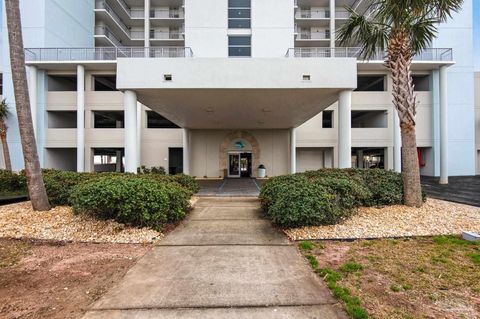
[399, 61]
[6, 151]
[412, 188]
[36, 188]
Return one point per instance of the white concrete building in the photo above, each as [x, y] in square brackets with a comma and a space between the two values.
[217, 88]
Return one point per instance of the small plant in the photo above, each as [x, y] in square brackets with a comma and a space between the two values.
[395, 288]
[305, 245]
[350, 267]
[475, 257]
[313, 261]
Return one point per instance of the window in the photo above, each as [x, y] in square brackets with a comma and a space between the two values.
[371, 83]
[1, 84]
[155, 120]
[62, 119]
[62, 83]
[108, 119]
[369, 119]
[239, 46]
[327, 119]
[108, 159]
[239, 14]
[421, 82]
[104, 83]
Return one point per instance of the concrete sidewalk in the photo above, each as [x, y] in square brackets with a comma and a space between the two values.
[223, 261]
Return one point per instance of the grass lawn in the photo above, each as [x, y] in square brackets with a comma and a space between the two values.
[437, 277]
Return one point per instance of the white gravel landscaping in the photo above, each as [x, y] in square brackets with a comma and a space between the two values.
[435, 217]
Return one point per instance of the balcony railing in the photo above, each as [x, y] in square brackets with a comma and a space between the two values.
[104, 53]
[313, 14]
[104, 5]
[317, 35]
[158, 35]
[137, 13]
[166, 14]
[104, 30]
[137, 35]
[342, 14]
[431, 54]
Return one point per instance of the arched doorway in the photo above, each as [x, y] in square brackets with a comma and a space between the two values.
[238, 146]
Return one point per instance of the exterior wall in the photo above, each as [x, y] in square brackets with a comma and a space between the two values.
[477, 120]
[46, 23]
[457, 34]
[205, 151]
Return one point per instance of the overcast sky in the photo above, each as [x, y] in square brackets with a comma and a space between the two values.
[476, 32]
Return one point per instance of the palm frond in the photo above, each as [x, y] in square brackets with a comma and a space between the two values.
[4, 110]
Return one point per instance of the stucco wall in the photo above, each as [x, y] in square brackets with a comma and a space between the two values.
[477, 120]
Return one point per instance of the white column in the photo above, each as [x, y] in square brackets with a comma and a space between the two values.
[139, 134]
[443, 126]
[345, 129]
[130, 104]
[293, 151]
[397, 143]
[186, 153]
[147, 23]
[33, 94]
[80, 118]
[332, 23]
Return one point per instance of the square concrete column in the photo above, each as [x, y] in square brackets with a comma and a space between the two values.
[147, 25]
[332, 6]
[345, 129]
[397, 142]
[186, 151]
[33, 95]
[130, 104]
[443, 126]
[80, 118]
[293, 151]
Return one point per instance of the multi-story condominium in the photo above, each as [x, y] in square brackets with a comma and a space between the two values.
[216, 88]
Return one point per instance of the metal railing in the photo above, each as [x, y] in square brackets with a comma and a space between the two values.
[166, 14]
[137, 13]
[137, 35]
[431, 54]
[313, 14]
[104, 53]
[342, 14]
[104, 30]
[104, 5]
[171, 35]
[313, 35]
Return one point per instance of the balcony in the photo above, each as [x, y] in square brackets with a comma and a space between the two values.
[103, 5]
[103, 53]
[166, 14]
[428, 55]
[313, 14]
[166, 35]
[105, 31]
[315, 35]
[342, 14]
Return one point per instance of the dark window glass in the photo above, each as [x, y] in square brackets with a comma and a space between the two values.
[421, 82]
[327, 119]
[239, 51]
[239, 13]
[239, 46]
[108, 119]
[1, 84]
[155, 120]
[239, 23]
[369, 119]
[239, 41]
[239, 3]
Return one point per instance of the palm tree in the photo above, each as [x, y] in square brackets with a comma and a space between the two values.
[36, 188]
[402, 28]
[4, 114]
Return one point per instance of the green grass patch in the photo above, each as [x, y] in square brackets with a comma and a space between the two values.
[313, 261]
[451, 240]
[475, 257]
[395, 288]
[305, 245]
[351, 267]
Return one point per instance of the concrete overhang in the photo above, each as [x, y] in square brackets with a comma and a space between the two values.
[253, 93]
[378, 65]
[72, 65]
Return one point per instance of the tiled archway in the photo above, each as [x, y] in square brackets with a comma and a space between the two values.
[229, 138]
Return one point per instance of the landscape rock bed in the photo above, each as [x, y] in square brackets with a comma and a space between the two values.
[60, 224]
[435, 217]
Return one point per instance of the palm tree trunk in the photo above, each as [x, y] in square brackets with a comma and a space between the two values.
[36, 188]
[399, 61]
[412, 188]
[6, 151]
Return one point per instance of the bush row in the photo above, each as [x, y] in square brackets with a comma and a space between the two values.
[327, 196]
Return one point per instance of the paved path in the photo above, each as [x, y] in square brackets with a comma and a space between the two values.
[230, 187]
[225, 261]
[460, 189]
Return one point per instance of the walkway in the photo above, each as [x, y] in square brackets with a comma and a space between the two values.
[225, 261]
[230, 187]
[460, 189]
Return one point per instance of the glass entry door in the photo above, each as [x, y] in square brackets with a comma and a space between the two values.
[234, 165]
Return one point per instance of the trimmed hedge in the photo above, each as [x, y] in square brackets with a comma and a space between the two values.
[327, 196]
[131, 199]
[11, 182]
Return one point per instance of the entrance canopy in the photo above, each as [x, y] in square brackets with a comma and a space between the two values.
[237, 93]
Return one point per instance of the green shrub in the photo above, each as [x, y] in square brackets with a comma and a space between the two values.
[350, 193]
[152, 170]
[11, 182]
[386, 187]
[130, 199]
[300, 202]
[184, 180]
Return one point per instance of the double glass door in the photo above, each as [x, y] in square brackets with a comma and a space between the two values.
[240, 165]
[234, 165]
